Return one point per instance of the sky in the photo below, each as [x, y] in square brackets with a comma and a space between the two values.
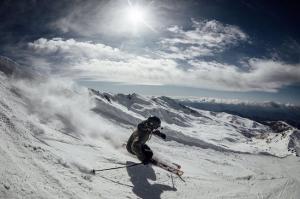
[247, 50]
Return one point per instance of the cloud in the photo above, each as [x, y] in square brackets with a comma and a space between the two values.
[76, 49]
[95, 60]
[261, 75]
[204, 39]
[104, 63]
[88, 18]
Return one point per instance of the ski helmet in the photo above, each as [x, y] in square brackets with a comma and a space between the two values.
[155, 121]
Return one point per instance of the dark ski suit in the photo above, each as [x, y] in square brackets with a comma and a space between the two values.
[136, 143]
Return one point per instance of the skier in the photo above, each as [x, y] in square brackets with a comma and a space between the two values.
[136, 143]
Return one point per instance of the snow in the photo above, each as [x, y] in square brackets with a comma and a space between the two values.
[54, 132]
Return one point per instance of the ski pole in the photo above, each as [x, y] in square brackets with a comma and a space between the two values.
[127, 166]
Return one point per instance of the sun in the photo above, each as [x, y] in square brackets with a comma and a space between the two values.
[136, 15]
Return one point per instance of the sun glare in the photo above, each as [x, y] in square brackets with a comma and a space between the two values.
[136, 14]
[137, 17]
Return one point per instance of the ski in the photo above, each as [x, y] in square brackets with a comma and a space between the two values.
[167, 163]
[177, 165]
[166, 167]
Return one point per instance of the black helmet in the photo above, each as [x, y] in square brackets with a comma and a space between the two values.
[155, 121]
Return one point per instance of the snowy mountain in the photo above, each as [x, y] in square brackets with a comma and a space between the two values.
[203, 129]
[53, 132]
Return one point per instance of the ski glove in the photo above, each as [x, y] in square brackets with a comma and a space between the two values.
[158, 133]
[163, 136]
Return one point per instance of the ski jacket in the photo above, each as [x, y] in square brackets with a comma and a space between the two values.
[139, 138]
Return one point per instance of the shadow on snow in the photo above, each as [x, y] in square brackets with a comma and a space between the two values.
[139, 177]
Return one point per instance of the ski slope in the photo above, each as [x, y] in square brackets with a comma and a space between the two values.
[53, 132]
